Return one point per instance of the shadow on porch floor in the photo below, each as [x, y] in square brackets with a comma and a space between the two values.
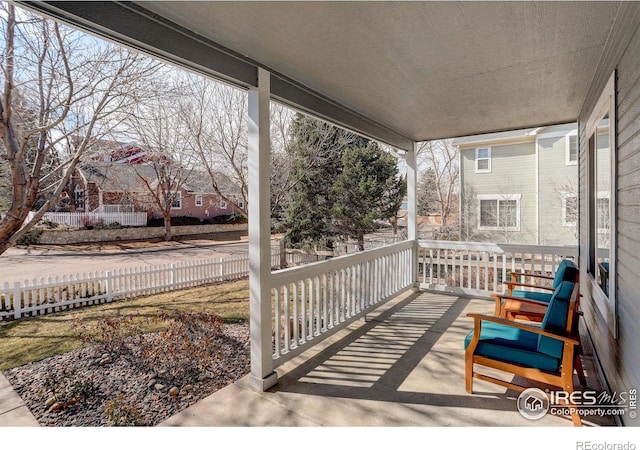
[402, 366]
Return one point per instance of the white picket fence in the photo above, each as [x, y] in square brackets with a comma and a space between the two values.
[81, 220]
[46, 295]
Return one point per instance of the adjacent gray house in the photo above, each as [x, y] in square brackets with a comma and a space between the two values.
[520, 186]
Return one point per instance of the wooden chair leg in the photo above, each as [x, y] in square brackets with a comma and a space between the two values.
[580, 371]
[468, 369]
[575, 417]
[568, 387]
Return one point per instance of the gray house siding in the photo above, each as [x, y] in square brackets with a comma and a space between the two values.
[557, 180]
[618, 355]
[540, 180]
[512, 173]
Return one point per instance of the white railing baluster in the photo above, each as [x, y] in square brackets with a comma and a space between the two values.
[287, 320]
[487, 278]
[277, 324]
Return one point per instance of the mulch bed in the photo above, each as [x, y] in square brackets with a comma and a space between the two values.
[141, 381]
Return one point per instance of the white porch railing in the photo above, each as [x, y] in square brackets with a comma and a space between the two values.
[313, 301]
[477, 268]
[81, 220]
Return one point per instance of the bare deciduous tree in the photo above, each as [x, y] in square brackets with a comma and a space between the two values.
[62, 90]
[283, 178]
[216, 119]
[440, 158]
[162, 131]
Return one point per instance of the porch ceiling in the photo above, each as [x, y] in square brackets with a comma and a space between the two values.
[417, 70]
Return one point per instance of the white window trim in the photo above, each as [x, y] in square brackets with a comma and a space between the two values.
[488, 158]
[606, 304]
[568, 149]
[223, 204]
[198, 199]
[565, 196]
[516, 197]
[177, 199]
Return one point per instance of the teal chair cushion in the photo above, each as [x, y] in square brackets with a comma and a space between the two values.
[567, 271]
[555, 320]
[540, 296]
[504, 343]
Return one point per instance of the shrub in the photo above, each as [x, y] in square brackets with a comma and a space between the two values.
[108, 334]
[113, 226]
[227, 219]
[68, 387]
[175, 221]
[155, 222]
[185, 220]
[185, 350]
[31, 237]
[119, 413]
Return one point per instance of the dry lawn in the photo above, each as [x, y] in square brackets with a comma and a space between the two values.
[36, 338]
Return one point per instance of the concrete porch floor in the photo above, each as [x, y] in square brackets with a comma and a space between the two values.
[402, 366]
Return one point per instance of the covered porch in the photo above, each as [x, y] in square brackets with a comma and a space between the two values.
[353, 339]
[400, 366]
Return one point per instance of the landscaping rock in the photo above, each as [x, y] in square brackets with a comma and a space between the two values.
[126, 383]
[174, 391]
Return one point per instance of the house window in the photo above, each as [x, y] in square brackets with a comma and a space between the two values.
[223, 204]
[483, 160]
[601, 204]
[572, 150]
[177, 201]
[569, 210]
[198, 199]
[499, 212]
[602, 213]
[78, 197]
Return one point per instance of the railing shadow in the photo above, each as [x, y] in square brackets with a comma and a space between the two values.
[410, 355]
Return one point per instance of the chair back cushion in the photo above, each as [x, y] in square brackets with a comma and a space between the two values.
[567, 271]
[555, 319]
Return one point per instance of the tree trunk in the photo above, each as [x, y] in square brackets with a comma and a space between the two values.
[167, 226]
[361, 242]
[10, 224]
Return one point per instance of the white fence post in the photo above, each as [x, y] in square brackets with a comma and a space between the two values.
[223, 269]
[174, 276]
[17, 300]
[109, 276]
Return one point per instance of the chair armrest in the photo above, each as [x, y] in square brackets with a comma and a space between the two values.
[531, 301]
[478, 318]
[530, 274]
[537, 286]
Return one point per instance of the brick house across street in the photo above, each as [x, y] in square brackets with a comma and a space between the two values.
[123, 185]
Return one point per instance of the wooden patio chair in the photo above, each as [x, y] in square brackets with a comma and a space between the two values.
[508, 304]
[544, 353]
[520, 304]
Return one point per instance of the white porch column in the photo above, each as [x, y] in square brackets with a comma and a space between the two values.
[412, 209]
[262, 376]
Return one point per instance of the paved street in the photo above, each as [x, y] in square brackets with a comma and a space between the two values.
[20, 264]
